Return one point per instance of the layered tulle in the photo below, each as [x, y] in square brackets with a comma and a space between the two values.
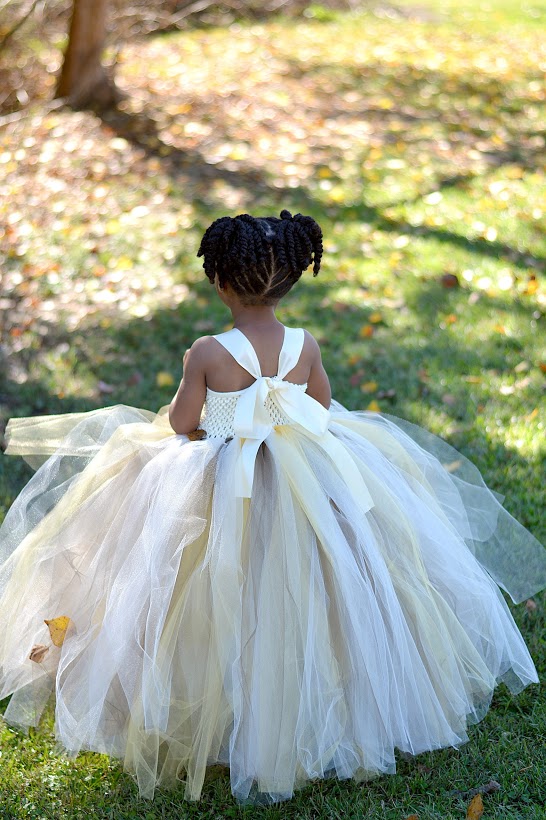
[293, 635]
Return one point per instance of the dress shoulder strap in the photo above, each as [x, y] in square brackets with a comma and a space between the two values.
[292, 346]
[236, 343]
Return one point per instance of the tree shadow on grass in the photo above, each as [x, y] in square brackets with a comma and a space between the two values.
[422, 95]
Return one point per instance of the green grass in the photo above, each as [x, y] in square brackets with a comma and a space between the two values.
[417, 141]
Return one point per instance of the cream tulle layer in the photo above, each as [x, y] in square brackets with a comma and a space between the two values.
[287, 636]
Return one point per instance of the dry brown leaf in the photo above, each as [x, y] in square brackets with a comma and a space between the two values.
[412, 817]
[57, 628]
[530, 605]
[197, 435]
[475, 808]
[356, 378]
[38, 652]
[450, 280]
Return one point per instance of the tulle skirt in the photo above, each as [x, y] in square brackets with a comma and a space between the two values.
[289, 636]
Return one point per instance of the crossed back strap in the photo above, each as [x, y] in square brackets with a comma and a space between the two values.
[242, 350]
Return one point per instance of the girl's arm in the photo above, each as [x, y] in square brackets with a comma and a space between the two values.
[318, 384]
[185, 408]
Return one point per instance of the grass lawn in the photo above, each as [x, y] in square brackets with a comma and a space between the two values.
[415, 135]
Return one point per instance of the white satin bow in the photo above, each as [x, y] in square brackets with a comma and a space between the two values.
[253, 425]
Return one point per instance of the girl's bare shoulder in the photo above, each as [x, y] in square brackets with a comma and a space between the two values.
[206, 347]
[311, 347]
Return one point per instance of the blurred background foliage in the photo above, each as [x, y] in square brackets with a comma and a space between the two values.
[33, 33]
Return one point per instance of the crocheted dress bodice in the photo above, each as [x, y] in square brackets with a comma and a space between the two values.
[219, 412]
[218, 415]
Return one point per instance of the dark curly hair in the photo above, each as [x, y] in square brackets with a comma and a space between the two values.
[261, 257]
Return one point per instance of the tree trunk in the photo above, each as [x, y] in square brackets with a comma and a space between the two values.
[84, 80]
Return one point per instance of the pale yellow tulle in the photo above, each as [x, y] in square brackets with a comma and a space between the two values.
[308, 631]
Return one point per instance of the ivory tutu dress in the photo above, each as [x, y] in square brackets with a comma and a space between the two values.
[295, 595]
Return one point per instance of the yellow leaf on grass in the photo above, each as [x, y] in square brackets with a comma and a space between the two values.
[366, 331]
[369, 387]
[374, 407]
[57, 628]
[475, 808]
[375, 317]
[164, 379]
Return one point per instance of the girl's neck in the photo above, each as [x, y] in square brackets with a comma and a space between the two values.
[254, 315]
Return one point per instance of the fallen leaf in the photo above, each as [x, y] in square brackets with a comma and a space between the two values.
[57, 628]
[134, 378]
[412, 817]
[375, 317]
[366, 331]
[369, 387]
[475, 808]
[38, 652]
[164, 379]
[522, 366]
[530, 605]
[197, 435]
[450, 280]
[374, 407]
[356, 378]
[452, 465]
[487, 788]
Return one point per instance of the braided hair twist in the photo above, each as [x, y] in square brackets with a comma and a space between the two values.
[261, 257]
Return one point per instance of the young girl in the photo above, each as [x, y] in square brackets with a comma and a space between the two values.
[261, 578]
